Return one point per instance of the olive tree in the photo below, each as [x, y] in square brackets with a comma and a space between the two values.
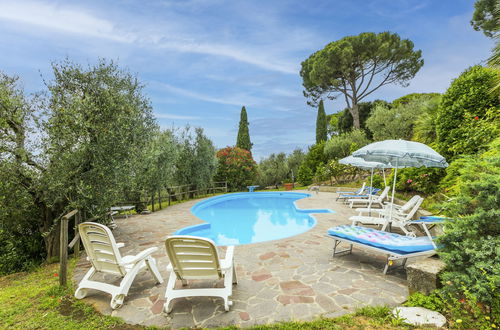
[356, 66]
[95, 121]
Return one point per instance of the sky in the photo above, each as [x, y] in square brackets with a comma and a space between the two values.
[202, 60]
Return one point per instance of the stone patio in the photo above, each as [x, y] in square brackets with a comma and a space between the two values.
[290, 279]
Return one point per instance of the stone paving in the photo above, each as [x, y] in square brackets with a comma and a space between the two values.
[289, 279]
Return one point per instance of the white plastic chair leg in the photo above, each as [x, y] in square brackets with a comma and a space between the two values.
[151, 263]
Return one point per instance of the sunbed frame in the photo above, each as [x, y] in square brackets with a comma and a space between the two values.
[391, 255]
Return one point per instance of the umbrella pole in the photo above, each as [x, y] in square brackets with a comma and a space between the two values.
[383, 173]
[370, 196]
[392, 199]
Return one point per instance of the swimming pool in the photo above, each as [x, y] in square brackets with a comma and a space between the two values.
[243, 218]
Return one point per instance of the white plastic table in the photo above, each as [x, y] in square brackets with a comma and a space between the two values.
[124, 208]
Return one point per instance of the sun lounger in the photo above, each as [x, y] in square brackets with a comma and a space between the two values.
[196, 258]
[356, 192]
[366, 194]
[105, 257]
[394, 246]
[376, 200]
[396, 219]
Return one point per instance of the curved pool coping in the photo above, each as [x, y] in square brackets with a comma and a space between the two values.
[216, 199]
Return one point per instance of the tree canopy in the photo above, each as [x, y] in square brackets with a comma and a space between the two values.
[356, 66]
[243, 139]
[485, 17]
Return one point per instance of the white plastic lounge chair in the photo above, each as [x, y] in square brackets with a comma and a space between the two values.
[357, 192]
[394, 246]
[365, 195]
[377, 200]
[102, 251]
[398, 219]
[405, 208]
[196, 258]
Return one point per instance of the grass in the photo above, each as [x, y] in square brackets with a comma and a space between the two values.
[34, 300]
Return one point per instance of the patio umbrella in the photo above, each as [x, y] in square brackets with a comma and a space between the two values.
[399, 154]
[363, 164]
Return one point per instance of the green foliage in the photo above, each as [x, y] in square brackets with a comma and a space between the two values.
[333, 169]
[343, 145]
[321, 124]
[273, 170]
[345, 122]
[36, 301]
[472, 239]
[468, 114]
[418, 180]
[408, 98]
[397, 122]
[294, 160]
[347, 66]
[196, 163]
[424, 130]
[485, 17]
[433, 301]
[305, 175]
[462, 312]
[378, 181]
[237, 167]
[243, 139]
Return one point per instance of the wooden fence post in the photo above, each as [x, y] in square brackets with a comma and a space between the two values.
[78, 220]
[159, 197]
[63, 253]
[153, 202]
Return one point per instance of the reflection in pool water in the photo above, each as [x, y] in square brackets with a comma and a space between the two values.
[244, 218]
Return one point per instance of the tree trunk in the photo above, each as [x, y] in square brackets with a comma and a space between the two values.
[355, 116]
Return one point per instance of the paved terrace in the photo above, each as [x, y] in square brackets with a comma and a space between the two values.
[290, 279]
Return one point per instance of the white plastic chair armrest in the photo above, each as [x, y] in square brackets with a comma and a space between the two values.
[143, 255]
[120, 245]
[227, 262]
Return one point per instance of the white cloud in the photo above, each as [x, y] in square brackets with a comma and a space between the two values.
[172, 116]
[234, 99]
[64, 19]
[76, 20]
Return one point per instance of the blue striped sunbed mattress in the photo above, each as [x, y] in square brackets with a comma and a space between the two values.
[388, 241]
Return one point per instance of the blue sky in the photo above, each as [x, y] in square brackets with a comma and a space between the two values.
[201, 60]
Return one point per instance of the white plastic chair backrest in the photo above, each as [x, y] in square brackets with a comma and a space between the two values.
[414, 210]
[193, 258]
[362, 189]
[101, 248]
[384, 194]
[411, 203]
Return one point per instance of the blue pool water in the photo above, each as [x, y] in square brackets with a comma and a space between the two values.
[244, 218]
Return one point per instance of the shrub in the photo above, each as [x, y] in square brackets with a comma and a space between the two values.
[343, 145]
[470, 244]
[468, 115]
[237, 167]
[397, 122]
[378, 181]
[464, 313]
[423, 180]
[305, 175]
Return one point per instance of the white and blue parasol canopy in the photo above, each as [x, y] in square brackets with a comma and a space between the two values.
[361, 163]
[401, 153]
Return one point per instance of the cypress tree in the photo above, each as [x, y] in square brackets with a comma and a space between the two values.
[243, 140]
[321, 132]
